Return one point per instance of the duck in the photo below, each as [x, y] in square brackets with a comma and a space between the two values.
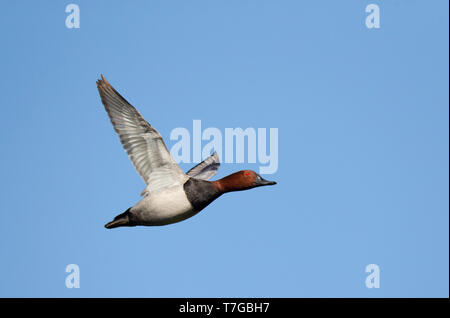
[170, 195]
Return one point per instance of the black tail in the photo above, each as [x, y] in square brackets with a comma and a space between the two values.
[122, 219]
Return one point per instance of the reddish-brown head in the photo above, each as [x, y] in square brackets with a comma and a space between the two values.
[241, 180]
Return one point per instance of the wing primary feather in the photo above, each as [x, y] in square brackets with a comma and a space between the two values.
[143, 144]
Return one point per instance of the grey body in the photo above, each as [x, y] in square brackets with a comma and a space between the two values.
[173, 204]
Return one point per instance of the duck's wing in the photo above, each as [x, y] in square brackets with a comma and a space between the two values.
[142, 142]
[206, 169]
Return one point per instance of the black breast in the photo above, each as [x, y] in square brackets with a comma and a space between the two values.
[200, 193]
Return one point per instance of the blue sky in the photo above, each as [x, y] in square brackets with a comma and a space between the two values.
[363, 154]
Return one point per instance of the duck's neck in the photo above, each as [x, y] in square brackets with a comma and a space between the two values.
[232, 182]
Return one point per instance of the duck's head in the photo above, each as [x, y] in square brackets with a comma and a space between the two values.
[242, 180]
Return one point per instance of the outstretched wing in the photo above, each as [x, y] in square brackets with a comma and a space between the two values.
[142, 142]
[206, 169]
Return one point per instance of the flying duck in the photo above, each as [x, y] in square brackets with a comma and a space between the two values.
[171, 195]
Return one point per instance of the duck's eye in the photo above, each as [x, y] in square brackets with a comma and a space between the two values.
[246, 173]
